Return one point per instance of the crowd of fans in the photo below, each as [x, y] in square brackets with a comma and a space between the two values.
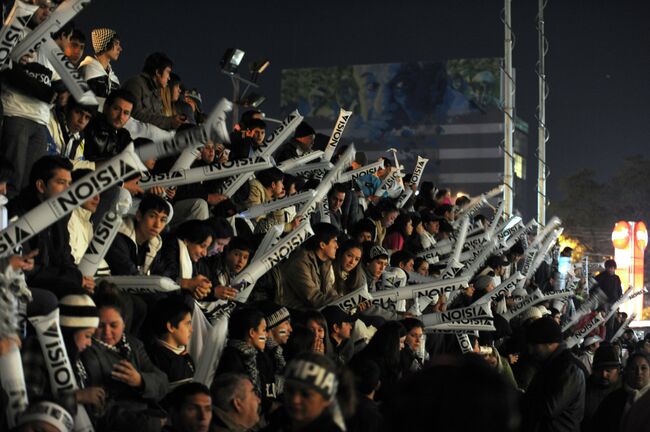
[292, 361]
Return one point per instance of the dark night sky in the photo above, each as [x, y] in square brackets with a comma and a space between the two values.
[598, 64]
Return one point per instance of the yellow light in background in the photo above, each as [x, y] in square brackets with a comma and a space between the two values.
[578, 248]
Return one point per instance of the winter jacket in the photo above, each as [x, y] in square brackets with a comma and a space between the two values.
[594, 396]
[610, 285]
[54, 267]
[61, 142]
[555, 397]
[102, 140]
[308, 281]
[178, 367]
[101, 81]
[27, 90]
[125, 257]
[258, 195]
[127, 408]
[289, 150]
[148, 105]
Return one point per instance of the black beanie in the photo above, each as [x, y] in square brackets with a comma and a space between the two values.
[304, 130]
[544, 330]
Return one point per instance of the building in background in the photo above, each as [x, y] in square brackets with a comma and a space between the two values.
[446, 111]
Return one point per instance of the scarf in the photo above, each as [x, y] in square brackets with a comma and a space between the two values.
[250, 361]
[81, 373]
[185, 261]
[633, 395]
[122, 348]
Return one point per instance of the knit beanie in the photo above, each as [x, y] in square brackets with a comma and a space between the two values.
[101, 38]
[274, 314]
[304, 130]
[50, 413]
[78, 311]
[544, 330]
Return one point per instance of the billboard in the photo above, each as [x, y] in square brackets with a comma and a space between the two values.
[447, 111]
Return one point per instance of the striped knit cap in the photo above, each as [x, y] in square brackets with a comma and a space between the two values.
[101, 38]
[78, 311]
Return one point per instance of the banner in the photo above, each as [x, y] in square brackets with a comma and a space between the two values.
[462, 326]
[13, 29]
[504, 289]
[214, 127]
[473, 265]
[70, 75]
[300, 160]
[270, 239]
[187, 158]
[476, 311]
[360, 172]
[143, 284]
[213, 348]
[104, 234]
[246, 280]
[344, 116]
[12, 380]
[273, 141]
[314, 170]
[431, 289]
[474, 205]
[580, 334]
[321, 191]
[527, 302]
[417, 171]
[623, 327]
[204, 173]
[46, 213]
[58, 364]
[589, 305]
[464, 342]
[59, 17]
[351, 301]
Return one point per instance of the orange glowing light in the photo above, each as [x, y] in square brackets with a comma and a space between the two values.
[641, 234]
[621, 235]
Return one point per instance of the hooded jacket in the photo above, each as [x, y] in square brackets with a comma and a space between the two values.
[123, 255]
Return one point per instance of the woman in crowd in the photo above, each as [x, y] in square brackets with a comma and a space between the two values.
[78, 319]
[244, 353]
[119, 363]
[347, 271]
[399, 233]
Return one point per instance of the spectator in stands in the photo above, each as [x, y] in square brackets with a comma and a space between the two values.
[119, 363]
[278, 332]
[339, 327]
[604, 379]
[76, 47]
[363, 231]
[309, 277]
[553, 407]
[105, 135]
[181, 258]
[138, 241]
[236, 403]
[347, 271]
[609, 282]
[310, 389]
[315, 321]
[172, 327]
[617, 404]
[97, 70]
[65, 132]
[78, 319]
[54, 267]
[302, 142]
[335, 199]
[367, 416]
[26, 96]
[190, 409]
[386, 214]
[410, 357]
[244, 354]
[421, 266]
[384, 349]
[267, 186]
[146, 88]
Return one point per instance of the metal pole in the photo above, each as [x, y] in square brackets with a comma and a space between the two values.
[542, 135]
[508, 113]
